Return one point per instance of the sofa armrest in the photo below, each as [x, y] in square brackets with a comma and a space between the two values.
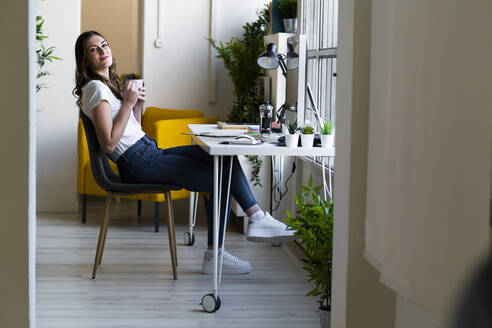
[153, 114]
[82, 157]
[168, 133]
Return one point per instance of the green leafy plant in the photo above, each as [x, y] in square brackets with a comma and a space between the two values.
[43, 54]
[240, 60]
[314, 227]
[307, 130]
[326, 128]
[288, 8]
[255, 172]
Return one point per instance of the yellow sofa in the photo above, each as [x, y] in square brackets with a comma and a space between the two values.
[162, 124]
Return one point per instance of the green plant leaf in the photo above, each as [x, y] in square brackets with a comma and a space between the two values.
[313, 223]
[326, 128]
[288, 8]
[255, 172]
[43, 54]
[308, 130]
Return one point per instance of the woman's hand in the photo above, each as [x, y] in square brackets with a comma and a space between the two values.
[130, 93]
[142, 95]
[138, 108]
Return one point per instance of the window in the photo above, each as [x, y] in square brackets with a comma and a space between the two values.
[319, 21]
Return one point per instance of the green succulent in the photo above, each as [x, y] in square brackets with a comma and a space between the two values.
[326, 128]
[292, 127]
[308, 130]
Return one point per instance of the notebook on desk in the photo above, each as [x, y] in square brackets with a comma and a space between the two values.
[225, 125]
[217, 133]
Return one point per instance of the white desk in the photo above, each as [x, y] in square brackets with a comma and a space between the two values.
[211, 145]
[211, 302]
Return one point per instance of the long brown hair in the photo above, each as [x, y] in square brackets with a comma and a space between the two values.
[83, 73]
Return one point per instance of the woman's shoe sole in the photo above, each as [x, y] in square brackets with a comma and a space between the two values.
[273, 240]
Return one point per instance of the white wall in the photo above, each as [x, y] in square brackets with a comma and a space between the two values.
[57, 113]
[17, 149]
[176, 75]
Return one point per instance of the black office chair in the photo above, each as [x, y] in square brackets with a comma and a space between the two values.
[111, 183]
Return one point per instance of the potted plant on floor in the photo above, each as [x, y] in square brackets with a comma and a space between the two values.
[292, 138]
[314, 228]
[307, 136]
[288, 11]
[326, 136]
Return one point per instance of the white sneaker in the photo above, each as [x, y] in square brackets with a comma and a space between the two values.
[230, 264]
[269, 230]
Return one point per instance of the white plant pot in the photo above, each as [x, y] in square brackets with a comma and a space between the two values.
[290, 25]
[285, 130]
[291, 140]
[327, 140]
[324, 318]
[307, 140]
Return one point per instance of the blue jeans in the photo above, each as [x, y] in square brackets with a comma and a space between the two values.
[189, 167]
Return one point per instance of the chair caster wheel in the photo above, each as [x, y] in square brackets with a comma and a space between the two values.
[189, 239]
[210, 304]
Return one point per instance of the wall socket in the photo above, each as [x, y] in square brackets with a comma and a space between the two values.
[158, 43]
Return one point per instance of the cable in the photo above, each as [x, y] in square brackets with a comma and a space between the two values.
[277, 188]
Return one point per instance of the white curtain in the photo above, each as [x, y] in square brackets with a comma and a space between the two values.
[429, 162]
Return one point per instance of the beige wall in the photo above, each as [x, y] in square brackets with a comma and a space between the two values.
[17, 174]
[118, 21]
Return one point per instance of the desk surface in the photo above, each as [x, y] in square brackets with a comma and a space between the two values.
[211, 145]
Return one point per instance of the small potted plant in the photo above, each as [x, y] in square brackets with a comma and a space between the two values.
[326, 136]
[314, 228]
[292, 138]
[288, 11]
[307, 136]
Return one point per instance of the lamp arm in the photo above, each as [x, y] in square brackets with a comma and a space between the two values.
[281, 114]
[283, 66]
[313, 103]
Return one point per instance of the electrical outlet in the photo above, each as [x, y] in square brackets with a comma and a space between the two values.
[158, 43]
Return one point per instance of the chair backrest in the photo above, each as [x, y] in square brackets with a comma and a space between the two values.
[102, 171]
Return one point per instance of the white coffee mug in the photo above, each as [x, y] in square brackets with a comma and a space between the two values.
[138, 83]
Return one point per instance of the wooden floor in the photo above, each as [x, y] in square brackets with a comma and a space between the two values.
[134, 285]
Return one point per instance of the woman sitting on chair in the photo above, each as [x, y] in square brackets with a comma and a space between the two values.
[115, 113]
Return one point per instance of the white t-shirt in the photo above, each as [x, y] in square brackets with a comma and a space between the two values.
[96, 91]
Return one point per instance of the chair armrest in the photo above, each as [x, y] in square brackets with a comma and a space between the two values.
[153, 114]
[167, 133]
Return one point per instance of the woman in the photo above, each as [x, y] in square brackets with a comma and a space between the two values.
[116, 117]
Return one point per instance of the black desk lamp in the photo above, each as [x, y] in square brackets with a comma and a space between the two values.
[269, 60]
